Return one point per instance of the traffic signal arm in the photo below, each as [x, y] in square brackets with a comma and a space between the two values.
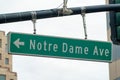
[24, 16]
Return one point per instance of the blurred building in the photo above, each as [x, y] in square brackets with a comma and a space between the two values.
[6, 72]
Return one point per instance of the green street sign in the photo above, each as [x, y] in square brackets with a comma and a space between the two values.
[39, 45]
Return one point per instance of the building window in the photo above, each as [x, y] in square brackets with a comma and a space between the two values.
[118, 78]
[0, 56]
[6, 60]
[2, 77]
[6, 47]
[0, 43]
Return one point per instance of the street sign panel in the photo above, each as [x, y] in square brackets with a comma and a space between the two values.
[39, 45]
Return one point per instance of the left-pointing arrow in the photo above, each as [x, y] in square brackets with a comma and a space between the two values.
[17, 43]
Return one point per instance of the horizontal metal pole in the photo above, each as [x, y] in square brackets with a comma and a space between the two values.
[24, 16]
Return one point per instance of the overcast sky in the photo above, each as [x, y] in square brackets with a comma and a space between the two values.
[41, 68]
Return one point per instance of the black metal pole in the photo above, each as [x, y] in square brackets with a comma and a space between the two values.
[24, 16]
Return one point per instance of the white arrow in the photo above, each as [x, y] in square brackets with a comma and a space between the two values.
[17, 43]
